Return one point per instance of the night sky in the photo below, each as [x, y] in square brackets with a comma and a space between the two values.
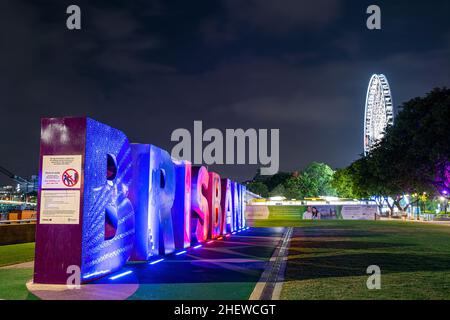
[149, 67]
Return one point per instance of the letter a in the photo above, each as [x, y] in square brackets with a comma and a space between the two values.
[74, 20]
[374, 21]
[74, 280]
[374, 280]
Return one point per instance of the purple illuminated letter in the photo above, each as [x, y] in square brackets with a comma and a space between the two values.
[152, 194]
[84, 217]
[237, 207]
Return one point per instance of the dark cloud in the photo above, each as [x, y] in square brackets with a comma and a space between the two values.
[282, 16]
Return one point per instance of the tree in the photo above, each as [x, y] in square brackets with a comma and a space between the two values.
[278, 191]
[272, 181]
[343, 184]
[415, 152]
[315, 180]
[414, 155]
[368, 182]
[424, 124]
[258, 188]
[292, 186]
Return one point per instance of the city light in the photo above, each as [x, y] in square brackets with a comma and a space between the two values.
[198, 246]
[180, 253]
[277, 198]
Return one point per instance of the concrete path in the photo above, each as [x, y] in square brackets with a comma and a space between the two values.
[442, 223]
[24, 265]
[218, 270]
[271, 282]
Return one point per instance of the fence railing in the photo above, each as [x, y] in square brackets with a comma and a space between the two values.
[23, 221]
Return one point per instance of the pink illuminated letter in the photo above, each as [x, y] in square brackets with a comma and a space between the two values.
[200, 207]
[226, 202]
[214, 196]
[181, 210]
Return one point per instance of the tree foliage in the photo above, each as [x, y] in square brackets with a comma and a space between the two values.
[413, 158]
[414, 155]
[272, 181]
[316, 179]
[278, 191]
[313, 181]
[342, 182]
[258, 188]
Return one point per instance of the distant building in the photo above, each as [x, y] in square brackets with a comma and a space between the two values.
[7, 192]
[29, 186]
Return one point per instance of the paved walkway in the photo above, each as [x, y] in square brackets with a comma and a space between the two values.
[24, 265]
[442, 223]
[222, 269]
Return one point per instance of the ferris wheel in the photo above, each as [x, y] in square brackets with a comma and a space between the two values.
[379, 113]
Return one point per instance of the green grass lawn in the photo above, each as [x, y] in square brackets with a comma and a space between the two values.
[12, 284]
[12, 281]
[329, 259]
[16, 253]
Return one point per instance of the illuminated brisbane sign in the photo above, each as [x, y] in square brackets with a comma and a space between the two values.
[104, 201]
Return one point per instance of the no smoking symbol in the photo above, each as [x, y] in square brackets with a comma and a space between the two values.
[70, 177]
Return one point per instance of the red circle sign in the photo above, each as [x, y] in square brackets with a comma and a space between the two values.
[70, 178]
